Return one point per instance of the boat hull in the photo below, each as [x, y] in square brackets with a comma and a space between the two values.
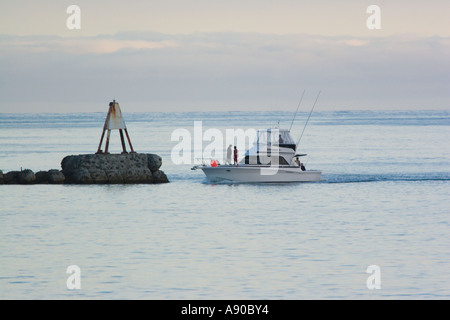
[260, 174]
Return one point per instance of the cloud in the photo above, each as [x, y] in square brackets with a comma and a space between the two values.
[104, 46]
[80, 45]
[355, 42]
[226, 71]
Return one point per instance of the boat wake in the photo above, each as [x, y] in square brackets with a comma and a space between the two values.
[332, 178]
[353, 178]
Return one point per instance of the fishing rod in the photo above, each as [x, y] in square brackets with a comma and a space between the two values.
[298, 142]
[297, 110]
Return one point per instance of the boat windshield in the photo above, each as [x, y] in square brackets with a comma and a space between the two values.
[274, 136]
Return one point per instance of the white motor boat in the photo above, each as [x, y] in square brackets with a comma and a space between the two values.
[272, 158]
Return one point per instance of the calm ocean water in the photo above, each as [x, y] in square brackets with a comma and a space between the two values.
[384, 201]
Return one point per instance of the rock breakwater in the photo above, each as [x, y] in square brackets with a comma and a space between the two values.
[27, 176]
[95, 169]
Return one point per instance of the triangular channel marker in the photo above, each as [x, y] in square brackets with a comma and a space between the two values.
[114, 121]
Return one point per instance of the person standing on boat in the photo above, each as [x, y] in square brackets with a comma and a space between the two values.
[236, 156]
[300, 164]
[229, 151]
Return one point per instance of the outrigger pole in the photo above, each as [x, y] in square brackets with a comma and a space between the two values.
[297, 110]
[298, 142]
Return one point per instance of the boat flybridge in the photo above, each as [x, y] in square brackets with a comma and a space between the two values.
[272, 158]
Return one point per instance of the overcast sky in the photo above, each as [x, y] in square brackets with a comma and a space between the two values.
[183, 55]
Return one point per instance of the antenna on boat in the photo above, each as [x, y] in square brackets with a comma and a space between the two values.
[297, 110]
[298, 142]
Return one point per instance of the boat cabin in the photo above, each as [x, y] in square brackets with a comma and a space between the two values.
[278, 137]
[270, 143]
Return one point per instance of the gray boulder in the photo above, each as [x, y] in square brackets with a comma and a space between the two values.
[19, 177]
[41, 177]
[52, 176]
[55, 176]
[26, 176]
[11, 177]
[154, 162]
